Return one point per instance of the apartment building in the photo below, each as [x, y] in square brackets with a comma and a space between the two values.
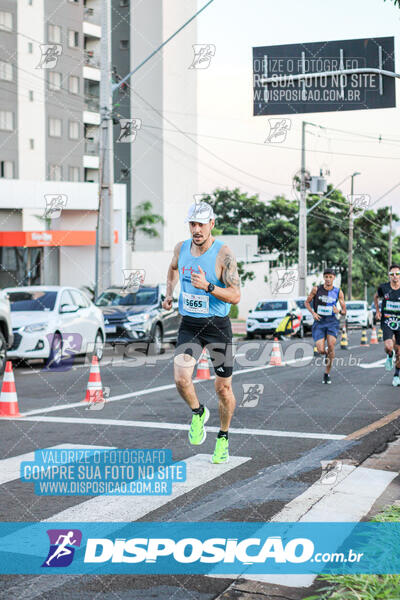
[160, 165]
[49, 142]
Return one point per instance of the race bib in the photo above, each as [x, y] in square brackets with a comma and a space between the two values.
[196, 303]
[395, 306]
[324, 311]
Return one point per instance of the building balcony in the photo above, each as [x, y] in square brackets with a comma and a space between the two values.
[92, 103]
[90, 161]
[91, 59]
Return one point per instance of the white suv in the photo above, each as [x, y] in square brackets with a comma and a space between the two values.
[267, 315]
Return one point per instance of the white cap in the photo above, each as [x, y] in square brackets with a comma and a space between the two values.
[201, 212]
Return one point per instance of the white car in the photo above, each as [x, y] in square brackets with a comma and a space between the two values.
[267, 315]
[53, 323]
[358, 313]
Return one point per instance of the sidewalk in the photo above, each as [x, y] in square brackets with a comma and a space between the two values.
[386, 462]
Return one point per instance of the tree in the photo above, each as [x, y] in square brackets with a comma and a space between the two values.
[143, 220]
[276, 224]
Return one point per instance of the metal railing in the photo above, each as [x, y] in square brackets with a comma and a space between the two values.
[92, 16]
[91, 148]
[91, 60]
[92, 103]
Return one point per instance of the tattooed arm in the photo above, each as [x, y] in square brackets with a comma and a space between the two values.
[226, 270]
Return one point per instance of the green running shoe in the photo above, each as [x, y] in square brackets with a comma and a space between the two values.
[396, 381]
[221, 452]
[197, 434]
[389, 363]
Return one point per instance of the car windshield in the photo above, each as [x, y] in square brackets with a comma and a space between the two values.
[301, 303]
[275, 305]
[34, 300]
[355, 306]
[142, 297]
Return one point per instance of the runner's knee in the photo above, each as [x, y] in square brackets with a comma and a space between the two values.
[223, 387]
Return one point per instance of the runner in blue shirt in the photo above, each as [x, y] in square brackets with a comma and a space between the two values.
[321, 303]
[209, 284]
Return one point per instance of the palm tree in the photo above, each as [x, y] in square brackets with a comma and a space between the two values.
[143, 220]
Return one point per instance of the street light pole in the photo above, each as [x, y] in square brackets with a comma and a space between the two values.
[350, 249]
[303, 217]
[105, 228]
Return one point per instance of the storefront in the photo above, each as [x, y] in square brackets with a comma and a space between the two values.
[63, 251]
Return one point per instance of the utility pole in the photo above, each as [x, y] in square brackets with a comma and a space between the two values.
[390, 237]
[105, 223]
[350, 248]
[303, 217]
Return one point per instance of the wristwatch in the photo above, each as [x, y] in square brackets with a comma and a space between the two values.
[210, 288]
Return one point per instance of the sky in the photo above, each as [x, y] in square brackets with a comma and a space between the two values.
[225, 101]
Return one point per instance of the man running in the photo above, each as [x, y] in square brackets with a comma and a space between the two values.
[209, 284]
[389, 315]
[326, 325]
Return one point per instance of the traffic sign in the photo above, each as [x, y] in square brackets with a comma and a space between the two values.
[324, 76]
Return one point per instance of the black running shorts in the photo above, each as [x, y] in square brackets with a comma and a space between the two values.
[215, 333]
[388, 332]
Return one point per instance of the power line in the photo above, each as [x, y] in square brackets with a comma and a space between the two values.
[140, 65]
[276, 146]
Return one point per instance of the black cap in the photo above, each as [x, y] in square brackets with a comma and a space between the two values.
[329, 272]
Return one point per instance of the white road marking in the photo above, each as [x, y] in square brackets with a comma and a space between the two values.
[373, 365]
[10, 467]
[144, 392]
[348, 499]
[181, 427]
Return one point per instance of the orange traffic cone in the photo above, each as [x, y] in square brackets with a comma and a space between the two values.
[374, 337]
[276, 356]
[94, 390]
[8, 396]
[203, 368]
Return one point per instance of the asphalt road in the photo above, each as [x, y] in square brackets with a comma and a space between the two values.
[281, 434]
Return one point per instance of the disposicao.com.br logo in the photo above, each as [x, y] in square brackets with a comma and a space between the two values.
[191, 550]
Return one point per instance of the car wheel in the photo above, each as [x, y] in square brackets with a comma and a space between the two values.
[98, 345]
[3, 353]
[155, 346]
[55, 356]
[250, 336]
[300, 332]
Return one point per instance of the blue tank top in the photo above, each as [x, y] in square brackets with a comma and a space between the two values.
[325, 300]
[194, 302]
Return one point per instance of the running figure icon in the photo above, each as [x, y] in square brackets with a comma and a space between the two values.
[62, 549]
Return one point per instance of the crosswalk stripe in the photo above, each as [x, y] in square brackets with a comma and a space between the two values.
[10, 467]
[199, 471]
[349, 498]
[182, 427]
